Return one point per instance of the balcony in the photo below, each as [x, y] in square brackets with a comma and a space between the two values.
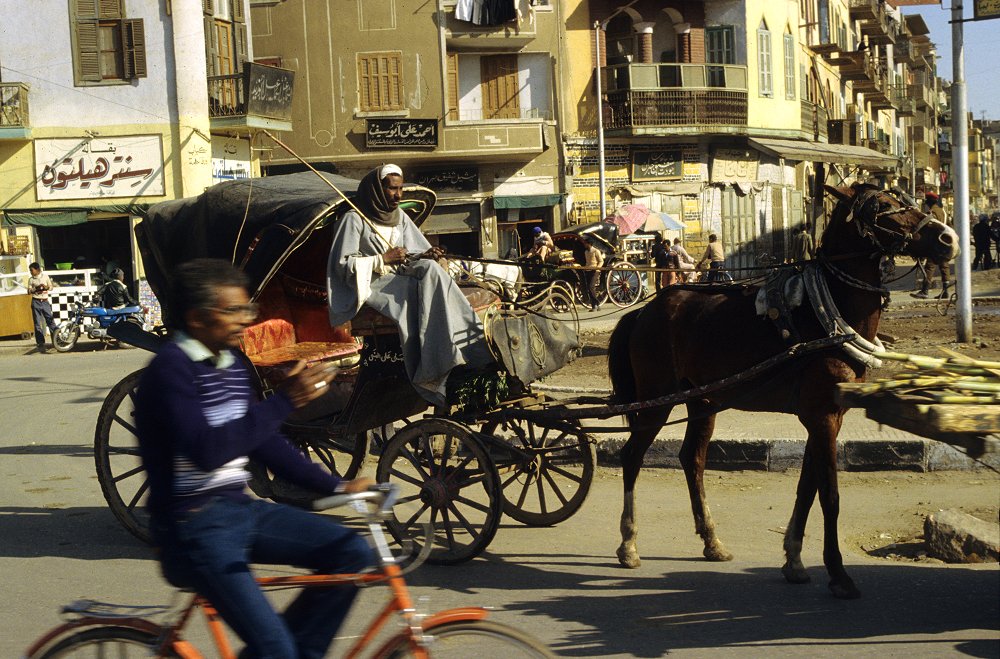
[875, 22]
[814, 121]
[844, 131]
[881, 145]
[922, 97]
[859, 67]
[675, 99]
[900, 99]
[14, 122]
[259, 97]
[463, 34]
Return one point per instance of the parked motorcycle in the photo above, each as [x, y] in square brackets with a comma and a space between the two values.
[94, 322]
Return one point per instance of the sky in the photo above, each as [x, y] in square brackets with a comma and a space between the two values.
[982, 66]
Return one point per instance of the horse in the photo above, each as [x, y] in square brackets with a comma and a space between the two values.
[690, 336]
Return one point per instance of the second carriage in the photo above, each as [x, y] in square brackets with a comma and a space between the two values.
[461, 466]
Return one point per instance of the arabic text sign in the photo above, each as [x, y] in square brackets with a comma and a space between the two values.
[97, 168]
[270, 91]
[230, 158]
[734, 165]
[659, 165]
[456, 178]
[987, 9]
[401, 132]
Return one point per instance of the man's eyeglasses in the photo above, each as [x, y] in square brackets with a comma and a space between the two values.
[246, 311]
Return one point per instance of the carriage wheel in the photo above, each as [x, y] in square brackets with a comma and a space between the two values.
[623, 284]
[341, 456]
[550, 487]
[447, 479]
[560, 297]
[582, 295]
[116, 456]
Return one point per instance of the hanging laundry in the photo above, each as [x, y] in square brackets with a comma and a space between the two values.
[470, 11]
[498, 12]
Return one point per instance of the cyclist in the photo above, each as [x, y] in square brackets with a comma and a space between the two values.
[198, 422]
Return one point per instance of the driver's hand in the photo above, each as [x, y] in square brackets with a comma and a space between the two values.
[394, 256]
[356, 485]
[434, 253]
[303, 385]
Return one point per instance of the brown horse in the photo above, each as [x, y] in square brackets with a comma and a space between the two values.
[688, 337]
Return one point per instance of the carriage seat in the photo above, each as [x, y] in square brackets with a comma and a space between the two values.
[369, 322]
[272, 343]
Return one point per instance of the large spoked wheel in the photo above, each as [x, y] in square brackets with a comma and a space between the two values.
[116, 455]
[552, 484]
[66, 336]
[561, 297]
[623, 284]
[342, 456]
[446, 479]
[474, 638]
[581, 292]
[118, 642]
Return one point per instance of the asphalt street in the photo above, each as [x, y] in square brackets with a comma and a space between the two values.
[59, 542]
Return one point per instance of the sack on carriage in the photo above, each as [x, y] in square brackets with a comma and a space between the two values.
[531, 346]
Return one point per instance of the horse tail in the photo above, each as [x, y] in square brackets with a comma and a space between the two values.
[619, 361]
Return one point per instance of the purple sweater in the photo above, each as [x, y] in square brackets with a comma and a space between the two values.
[197, 424]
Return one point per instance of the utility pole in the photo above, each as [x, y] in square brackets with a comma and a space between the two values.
[601, 185]
[960, 175]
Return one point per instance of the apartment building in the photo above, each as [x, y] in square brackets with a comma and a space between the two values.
[465, 108]
[122, 104]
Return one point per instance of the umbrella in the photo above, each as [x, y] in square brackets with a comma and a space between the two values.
[629, 218]
[662, 222]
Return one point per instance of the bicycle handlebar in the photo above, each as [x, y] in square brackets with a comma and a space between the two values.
[383, 494]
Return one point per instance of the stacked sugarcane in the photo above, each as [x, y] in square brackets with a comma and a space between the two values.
[954, 380]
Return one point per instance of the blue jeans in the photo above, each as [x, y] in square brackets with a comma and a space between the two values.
[41, 313]
[209, 550]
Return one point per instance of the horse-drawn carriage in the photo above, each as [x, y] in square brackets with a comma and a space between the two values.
[619, 281]
[460, 466]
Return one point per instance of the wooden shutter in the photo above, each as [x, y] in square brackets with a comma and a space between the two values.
[240, 37]
[211, 47]
[500, 87]
[380, 81]
[208, 7]
[238, 14]
[110, 9]
[452, 76]
[88, 53]
[85, 9]
[134, 48]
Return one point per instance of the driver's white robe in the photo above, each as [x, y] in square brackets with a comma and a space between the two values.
[437, 326]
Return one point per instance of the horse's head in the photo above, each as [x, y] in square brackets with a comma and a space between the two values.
[893, 224]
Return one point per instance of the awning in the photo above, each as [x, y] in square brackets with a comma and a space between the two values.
[820, 152]
[527, 201]
[64, 217]
[463, 218]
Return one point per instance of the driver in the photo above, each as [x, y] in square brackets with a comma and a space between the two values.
[380, 259]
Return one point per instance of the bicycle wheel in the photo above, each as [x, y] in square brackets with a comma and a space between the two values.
[116, 456]
[623, 284]
[110, 641]
[447, 479]
[549, 487]
[475, 638]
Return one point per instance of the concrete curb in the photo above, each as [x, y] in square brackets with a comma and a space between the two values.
[918, 455]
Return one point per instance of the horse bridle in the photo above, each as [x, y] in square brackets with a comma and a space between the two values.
[867, 227]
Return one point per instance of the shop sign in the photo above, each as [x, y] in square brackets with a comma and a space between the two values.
[987, 9]
[270, 91]
[454, 178]
[230, 159]
[401, 132]
[658, 165]
[734, 165]
[98, 167]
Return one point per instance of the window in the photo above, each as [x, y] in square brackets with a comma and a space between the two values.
[764, 74]
[107, 47]
[503, 87]
[500, 87]
[720, 51]
[789, 43]
[225, 55]
[380, 81]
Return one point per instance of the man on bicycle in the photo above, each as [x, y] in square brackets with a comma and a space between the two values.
[198, 423]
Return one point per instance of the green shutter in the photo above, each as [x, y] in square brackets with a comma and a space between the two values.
[134, 48]
[88, 52]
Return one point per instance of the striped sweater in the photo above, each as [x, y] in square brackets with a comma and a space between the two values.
[198, 423]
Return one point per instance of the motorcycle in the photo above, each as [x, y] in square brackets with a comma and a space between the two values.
[94, 322]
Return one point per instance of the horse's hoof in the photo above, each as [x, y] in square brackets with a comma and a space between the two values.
[845, 589]
[717, 554]
[794, 574]
[629, 559]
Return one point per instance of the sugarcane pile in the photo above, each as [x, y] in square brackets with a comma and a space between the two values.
[955, 399]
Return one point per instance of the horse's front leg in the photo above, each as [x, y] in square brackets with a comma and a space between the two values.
[645, 426]
[694, 453]
[793, 569]
[821, 449]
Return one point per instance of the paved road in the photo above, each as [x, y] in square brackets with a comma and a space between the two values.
[59, 542]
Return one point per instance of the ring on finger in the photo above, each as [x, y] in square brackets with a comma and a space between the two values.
[320, 384]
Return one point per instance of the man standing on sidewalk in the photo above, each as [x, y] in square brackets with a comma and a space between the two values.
[39, 286]
[934, 208]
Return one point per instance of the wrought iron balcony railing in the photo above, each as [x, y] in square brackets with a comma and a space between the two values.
[259, 91]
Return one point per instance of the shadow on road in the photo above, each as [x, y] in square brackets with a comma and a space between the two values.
[84, 533]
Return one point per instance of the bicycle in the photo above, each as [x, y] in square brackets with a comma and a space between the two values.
[99, 629]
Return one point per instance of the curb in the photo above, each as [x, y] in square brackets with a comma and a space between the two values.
[917, 455]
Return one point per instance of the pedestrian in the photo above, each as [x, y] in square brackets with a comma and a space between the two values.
[199, 422]
[715, 257]
[803, 246]
[39, 286]
[663, 258]
[595, 259]
[927, 267]
[982, 239]
[684, 260]
[995, 233]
